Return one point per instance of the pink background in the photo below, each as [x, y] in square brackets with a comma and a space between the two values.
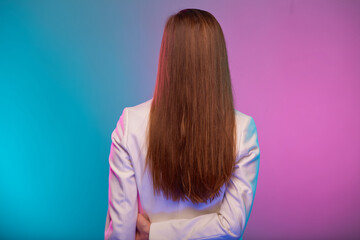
[296, 70]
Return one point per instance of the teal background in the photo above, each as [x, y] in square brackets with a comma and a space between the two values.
[67, 69]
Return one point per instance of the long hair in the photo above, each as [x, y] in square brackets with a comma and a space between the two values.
[191, 131]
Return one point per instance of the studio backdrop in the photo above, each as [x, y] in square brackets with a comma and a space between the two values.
[68, 68]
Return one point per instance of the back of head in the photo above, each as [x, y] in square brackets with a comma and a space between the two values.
[191, 131]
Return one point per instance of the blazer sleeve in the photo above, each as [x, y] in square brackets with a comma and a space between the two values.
[230, 221]
[122, 199]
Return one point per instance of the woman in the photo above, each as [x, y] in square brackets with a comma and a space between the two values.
[186, 154]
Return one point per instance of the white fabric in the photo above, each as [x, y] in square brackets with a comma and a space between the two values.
[224, 218]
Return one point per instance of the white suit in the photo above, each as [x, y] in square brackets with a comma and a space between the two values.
[224, 218]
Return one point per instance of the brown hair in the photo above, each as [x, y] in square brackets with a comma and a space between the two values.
[192, 131]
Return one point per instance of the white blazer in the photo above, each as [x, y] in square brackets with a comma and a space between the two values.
[224, 218]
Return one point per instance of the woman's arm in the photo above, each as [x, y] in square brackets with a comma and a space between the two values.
[231, 220]
[122, 205]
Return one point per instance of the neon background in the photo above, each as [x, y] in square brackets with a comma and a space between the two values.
[68, 68]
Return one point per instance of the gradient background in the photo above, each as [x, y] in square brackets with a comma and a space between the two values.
[68, 68]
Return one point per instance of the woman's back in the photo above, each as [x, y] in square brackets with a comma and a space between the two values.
[224, 217]
[189, 154]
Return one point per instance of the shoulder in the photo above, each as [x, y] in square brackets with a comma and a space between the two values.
[247, 135]
[244, 121]
[140, 110]
[139, 113]
[133, 118]
[136, 111]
